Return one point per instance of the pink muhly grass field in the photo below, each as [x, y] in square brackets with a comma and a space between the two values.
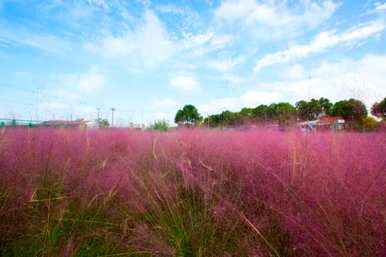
[261, 192]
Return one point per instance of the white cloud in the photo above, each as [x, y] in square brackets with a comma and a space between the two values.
[275, 18]
[165, 103]
[162, 116]
[295, 72]
[149, 44]
[67, 94]
[184, 82]
[221, 40]
[364, 79]
[20, 37]
[250, 98]
[380, 7]
[233, 79]
[99, 3]
[321, 42]
[91, 81]
[225, 64]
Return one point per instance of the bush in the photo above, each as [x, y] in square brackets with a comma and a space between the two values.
[369, 123]
[160, 125]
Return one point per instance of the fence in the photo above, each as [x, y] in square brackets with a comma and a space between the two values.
[17, 123]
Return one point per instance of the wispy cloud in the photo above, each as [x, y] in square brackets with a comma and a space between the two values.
[275, 18]
[321, 42]
[20, 37]
[225, 64]
[185, 83]
[380, 6]
[363, 79]
[165, 103]
[250, 98]
[149, 44]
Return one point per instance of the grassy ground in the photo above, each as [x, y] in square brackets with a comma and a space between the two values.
[191, 193]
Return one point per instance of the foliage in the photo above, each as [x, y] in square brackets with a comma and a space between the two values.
[283, 112]
[261, 112]
[160, 125]
[313, 109]
[188, 114]
[247, 114]
[103, 123]
[369, 123]
[191, 193]
[351, 110]
[379, 109]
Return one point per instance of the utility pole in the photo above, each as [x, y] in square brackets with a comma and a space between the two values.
[112, 116]
[99, 114]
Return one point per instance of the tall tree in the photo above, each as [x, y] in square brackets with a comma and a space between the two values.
[188, 114]
[326, 105]
[213, 120]
[379, 109]
[303, 110]
[261, 112]
[313, 109]
[351, 110]
[246, 114]
[285, 112]
[229, 118]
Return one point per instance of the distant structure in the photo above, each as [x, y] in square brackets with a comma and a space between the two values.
[137, 126]
[79, 123]
[19, 123]
[324, 123]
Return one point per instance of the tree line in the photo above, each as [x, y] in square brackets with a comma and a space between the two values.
[353, 111]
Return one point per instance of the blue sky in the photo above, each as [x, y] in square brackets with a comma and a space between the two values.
[67, 58]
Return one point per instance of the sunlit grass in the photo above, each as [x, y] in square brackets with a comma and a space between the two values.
[191, 193]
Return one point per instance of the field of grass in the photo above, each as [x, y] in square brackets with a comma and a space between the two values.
[192, 193]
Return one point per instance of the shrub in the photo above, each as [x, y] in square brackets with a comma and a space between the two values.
[160, 125]
[369, 123]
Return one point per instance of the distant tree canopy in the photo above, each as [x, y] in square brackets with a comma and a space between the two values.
[283, 113]
[314, 108]
[351, 110]
[379, 109]
[280, 112]
[188, 114]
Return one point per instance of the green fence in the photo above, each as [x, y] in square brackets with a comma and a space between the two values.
[17, 123]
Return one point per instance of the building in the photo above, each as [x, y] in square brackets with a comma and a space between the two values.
[79, 123]
[334, 123]
[324, 123]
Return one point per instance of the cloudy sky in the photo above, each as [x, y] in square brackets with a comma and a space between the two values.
[67, 58]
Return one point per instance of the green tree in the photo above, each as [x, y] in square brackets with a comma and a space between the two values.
[103, 123]
[188, 114]
[326, 105]
[285, 112]
[229, 118]
[213, 120]
[261, 112]
[351, 110]
[160, 125]
[246, 114]
[379, 109]
[369, 123]
[303, 110]
[313, 109]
